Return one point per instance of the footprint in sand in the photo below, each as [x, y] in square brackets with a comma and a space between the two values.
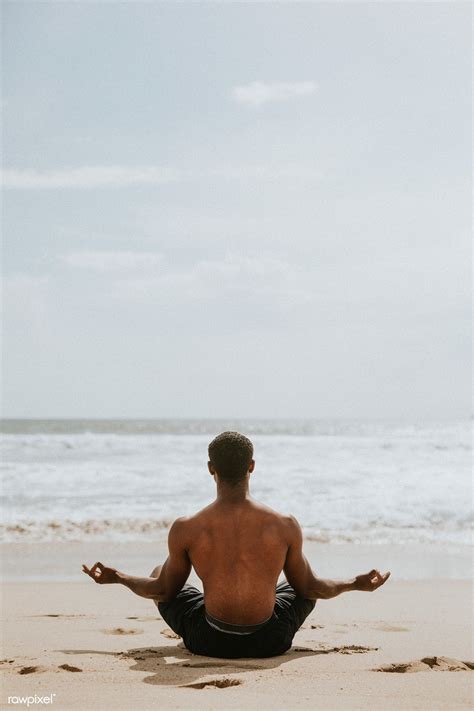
[51, 614]
[390, 628]
[347, 649]
[144, 618]
[427, 664]
[30, 670]
[122, 630]
[169, 633]
[219, 683]
[69, 668]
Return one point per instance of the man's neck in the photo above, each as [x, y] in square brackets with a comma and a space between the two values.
[234, 494]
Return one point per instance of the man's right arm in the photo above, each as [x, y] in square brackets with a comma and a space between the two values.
[172, 576]
[300, 576]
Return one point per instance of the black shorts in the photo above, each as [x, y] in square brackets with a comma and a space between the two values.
[186, 615]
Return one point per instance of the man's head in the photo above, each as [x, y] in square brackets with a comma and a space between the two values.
[231, 457]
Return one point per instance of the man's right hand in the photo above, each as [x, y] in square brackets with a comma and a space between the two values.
[101, 574]
[369, 582]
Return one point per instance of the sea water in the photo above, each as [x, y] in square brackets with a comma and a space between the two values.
[345, 482]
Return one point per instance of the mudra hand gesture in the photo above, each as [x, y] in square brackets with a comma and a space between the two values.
[100, 573]
[370, 581]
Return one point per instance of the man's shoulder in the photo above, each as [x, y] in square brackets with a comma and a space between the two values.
[179, 528]
[285, 520]
[186, 523]
[179, 522]
[291, 526]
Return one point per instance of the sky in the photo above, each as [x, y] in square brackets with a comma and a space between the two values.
[236, 210]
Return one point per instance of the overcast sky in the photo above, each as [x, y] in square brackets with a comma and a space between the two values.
[236, 210]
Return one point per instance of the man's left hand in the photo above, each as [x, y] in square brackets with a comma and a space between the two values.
[370, 581]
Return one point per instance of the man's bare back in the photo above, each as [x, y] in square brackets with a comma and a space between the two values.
[238, 547]
[238, 550]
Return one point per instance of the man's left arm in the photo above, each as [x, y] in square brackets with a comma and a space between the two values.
[173, 574]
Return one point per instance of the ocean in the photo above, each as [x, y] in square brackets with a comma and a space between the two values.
[346, 482]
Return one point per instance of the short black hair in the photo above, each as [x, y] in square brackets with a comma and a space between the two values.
[231, 453]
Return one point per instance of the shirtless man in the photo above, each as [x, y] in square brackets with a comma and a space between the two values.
[238, 548]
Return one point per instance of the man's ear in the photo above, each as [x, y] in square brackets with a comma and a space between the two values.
[212, 471]
[252, 466]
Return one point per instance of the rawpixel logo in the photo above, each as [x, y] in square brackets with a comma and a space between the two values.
[31, 700]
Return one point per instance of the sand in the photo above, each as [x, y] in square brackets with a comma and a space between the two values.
[101, 647]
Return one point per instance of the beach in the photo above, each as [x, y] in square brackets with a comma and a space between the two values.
[236, 315]
[101, 647]
[392, 497]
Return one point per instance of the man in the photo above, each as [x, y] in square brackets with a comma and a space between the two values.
[238, 548]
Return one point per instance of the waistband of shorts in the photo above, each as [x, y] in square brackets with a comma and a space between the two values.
[229, 628]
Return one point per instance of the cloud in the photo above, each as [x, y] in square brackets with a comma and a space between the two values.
[116, 176]
[105, 261]
[93, 176]
[258, 279]
[258, 93]
[266, 172]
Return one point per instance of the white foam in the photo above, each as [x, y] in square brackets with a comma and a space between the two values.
[344, 481]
